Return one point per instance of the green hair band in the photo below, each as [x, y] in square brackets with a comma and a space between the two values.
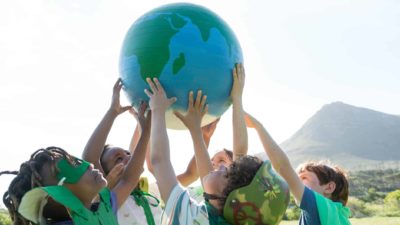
[71, 174]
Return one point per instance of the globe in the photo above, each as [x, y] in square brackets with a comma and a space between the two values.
[188, 48]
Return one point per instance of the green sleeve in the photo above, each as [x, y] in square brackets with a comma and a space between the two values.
[330, 212]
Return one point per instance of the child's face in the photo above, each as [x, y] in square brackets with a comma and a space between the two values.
[89, 184]
[215, 182]
[311, 180]
[220, 159]
[93, 178]
[114, 156]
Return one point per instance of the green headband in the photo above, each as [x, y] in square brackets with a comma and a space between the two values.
[263, 201]
[71, 173]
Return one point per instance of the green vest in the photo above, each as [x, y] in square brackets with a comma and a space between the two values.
[213, 216]
[104, 214]
[263, 201]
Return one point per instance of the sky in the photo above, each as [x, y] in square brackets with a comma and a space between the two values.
[59, 61]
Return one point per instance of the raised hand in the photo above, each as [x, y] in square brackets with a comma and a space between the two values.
[196, 110]
[158, 98]
[115, 103]
[239, 76]
[115, 175]
[95, 145]
[143, 116]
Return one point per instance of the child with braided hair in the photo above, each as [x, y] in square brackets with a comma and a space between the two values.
[53, 187]
[42, 170]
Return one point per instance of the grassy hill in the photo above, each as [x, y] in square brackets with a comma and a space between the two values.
[383, 181]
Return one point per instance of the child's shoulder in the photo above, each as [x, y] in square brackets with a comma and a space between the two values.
[308, 198]
[181, 207]
[328, 211]
[320, 201]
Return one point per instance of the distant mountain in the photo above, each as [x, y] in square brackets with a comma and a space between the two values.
[353, 137]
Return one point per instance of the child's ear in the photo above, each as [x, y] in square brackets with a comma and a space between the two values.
[329, 187]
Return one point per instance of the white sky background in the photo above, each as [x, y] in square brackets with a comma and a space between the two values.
[59, 61]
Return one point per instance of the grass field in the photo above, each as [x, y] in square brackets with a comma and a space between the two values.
[363, 221]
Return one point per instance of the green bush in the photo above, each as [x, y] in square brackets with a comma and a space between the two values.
[372, 195]
[393, 198]
[358, 208]
[293, 211]
[4, 218]
[392, 203]
[375, 209]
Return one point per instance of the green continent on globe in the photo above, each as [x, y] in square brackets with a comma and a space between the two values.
[204, 23]
[178, 63]
[152, 63]
[168, 23]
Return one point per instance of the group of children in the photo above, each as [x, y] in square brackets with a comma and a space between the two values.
[105, 187]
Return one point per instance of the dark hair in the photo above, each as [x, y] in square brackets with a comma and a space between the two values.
[102, 163]
[240, 174]
[229, 153]
[28, 177]
[326, 174]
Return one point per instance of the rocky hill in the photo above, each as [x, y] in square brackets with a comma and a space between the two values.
[353, 137]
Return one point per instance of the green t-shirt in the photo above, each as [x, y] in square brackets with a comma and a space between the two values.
[318, 210]
[330, 212]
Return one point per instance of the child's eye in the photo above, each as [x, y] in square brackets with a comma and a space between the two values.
[119, 159]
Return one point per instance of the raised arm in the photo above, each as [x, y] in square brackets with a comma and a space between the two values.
[135, 137]
[134, 168]
[96, 142]
[191, 174]
[240, 143]
[192, 120]
[278, 158]
[159, 143]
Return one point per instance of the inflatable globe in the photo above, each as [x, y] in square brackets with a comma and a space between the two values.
[187, 47]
